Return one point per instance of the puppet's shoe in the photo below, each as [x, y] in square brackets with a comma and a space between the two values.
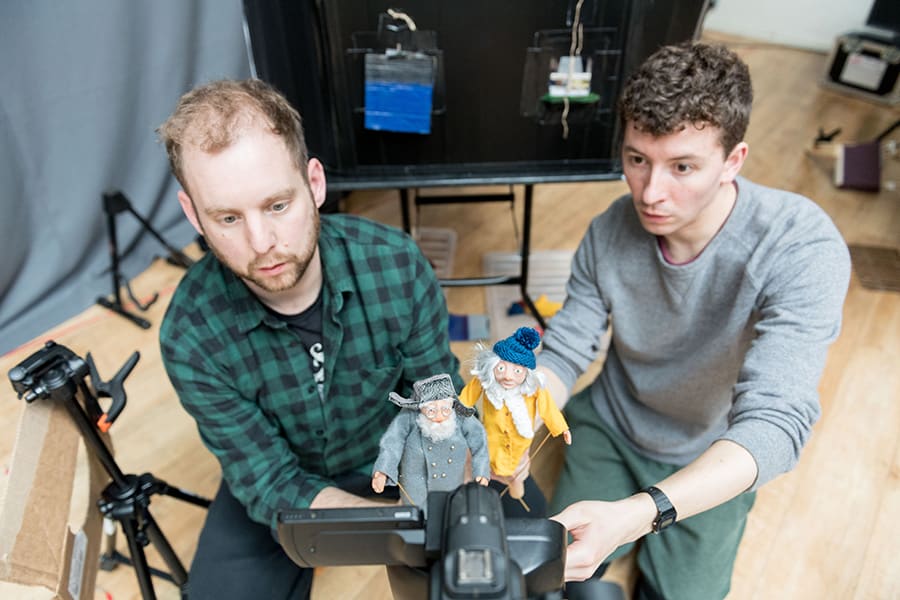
[517, 489]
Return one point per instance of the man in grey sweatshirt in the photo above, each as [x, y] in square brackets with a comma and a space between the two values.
[723, 297]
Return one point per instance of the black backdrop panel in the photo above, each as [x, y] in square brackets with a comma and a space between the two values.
[494, 59]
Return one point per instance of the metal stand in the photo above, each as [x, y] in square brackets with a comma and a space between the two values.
[522, 278]
[115, 202]
[56, 373]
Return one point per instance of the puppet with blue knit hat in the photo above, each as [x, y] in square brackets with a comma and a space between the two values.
[512, 393]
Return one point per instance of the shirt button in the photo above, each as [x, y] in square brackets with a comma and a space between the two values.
[450, 461]
[443, 474]
[429, 448]
[434, 464]
[434, 476]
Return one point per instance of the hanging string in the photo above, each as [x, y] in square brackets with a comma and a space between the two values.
[525, 466]
[402, 16]
[574, 49]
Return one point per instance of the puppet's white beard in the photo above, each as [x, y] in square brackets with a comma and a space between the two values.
[514, 400]
[437, 432]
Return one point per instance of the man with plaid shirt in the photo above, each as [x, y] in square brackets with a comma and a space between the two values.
[284, 342]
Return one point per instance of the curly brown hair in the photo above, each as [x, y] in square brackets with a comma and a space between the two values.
[212, 117]
[690, 83]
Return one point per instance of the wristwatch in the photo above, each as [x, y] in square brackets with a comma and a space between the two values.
[665, 512]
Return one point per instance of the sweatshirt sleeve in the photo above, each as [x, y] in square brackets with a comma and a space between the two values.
[776, 400]
[573, 337]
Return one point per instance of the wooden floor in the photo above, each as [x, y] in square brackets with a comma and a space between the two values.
[829, 529]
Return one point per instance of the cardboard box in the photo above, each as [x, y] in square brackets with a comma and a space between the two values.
[41, 554]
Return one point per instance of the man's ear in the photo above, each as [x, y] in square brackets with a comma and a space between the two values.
[189, 210]
[315, 172]
[734, 161]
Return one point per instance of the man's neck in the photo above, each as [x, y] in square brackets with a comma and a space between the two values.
[684, 246]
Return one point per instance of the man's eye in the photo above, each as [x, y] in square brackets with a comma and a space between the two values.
[636, 160]
[229, 219]
[501, 368]
[683, 168]
[279, 206]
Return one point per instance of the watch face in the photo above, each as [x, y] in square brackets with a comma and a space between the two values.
[665, 522]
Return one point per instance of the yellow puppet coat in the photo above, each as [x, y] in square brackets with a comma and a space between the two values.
[505, 444]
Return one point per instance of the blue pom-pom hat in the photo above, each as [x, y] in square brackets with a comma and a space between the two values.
[519, 347]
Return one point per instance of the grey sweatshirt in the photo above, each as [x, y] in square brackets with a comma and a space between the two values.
[729, 346]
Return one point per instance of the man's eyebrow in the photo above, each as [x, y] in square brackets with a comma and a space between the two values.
[682, 158]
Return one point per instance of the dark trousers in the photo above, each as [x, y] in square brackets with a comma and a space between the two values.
[238, 558]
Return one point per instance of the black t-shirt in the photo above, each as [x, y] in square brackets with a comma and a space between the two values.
[308, 327]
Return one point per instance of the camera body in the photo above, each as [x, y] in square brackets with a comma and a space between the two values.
[467, 547]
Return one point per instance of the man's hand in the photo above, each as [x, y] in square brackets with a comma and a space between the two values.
[482, 480]
[378, 481]
[598, 528]
[332, 497]
[567, 437]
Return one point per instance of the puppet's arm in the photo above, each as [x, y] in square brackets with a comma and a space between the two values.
[552, 416]
[391, 449]
[470, 394]
[476, 439]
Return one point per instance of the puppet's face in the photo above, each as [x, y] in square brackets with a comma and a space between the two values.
[509, 375]
[438, 411]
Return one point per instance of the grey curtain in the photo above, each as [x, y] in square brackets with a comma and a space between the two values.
[83, 86]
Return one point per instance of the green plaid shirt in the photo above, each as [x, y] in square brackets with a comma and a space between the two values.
[244, 376]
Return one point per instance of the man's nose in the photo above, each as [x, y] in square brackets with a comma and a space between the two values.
[654, 188]
[260, 235]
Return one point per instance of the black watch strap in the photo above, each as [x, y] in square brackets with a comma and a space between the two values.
[665, 512]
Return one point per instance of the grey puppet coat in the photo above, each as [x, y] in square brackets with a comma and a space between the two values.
[421, 465]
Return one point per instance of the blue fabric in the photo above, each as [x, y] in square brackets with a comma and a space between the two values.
[402, 107]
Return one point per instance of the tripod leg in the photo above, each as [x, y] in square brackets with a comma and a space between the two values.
[109, 557]
[159, 541]
[138, 559]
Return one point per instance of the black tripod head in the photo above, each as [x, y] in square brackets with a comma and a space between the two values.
[55, 372]
[47, 373]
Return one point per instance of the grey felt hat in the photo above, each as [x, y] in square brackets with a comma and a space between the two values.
[436, 387]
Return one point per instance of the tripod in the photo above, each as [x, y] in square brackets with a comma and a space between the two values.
[57, 374]
[115, 202]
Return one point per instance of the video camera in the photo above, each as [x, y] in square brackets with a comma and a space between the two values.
[466, 545]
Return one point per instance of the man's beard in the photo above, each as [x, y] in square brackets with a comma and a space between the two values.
[437, 432]
[295, 265]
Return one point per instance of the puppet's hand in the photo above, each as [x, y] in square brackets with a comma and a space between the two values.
[567, 437]
[378, 481]
[482, 480]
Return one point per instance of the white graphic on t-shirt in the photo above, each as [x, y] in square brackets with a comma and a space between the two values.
[317, 354]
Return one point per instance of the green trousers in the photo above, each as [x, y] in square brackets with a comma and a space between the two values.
[692, 559]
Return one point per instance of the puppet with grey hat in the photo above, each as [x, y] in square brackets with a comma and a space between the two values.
[512, 394]
[424, 448]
